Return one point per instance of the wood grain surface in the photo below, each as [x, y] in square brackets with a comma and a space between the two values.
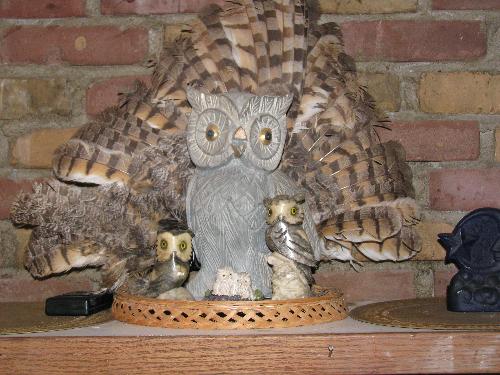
[421, 352]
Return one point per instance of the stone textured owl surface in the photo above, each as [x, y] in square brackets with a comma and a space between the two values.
[253, 100]
[288, 280]
[236, 141]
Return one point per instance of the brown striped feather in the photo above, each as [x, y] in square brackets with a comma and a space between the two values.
[128, 126]
[397, 248]
[237, 29]
[255, 11]
[299, 47]
[213, 47]
[352, 197]
[336, 157]
[273, 19]
[366, 224]
[288, 10]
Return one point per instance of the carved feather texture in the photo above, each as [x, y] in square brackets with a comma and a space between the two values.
[135, 161]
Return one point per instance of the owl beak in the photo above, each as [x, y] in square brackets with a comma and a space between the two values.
[240, 134]
[239, 143]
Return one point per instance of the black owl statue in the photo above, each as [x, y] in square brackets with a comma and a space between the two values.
[474, 247]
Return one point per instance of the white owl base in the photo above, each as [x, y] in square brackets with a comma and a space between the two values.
[288, 281]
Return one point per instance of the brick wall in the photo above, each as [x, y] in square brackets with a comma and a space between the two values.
[432, 65]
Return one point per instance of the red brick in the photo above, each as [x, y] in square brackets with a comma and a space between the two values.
[8, 192]
[42, 8]
[29, 290]
[194, 6]
[367, 7]
[436, 140]
[441, 280]
[464, 189]
[370, 285]
[139, 7]
[99, 45]
[466, 4]
[103, 94]
[36, 149]
[431, 248]
[122, 7]
[459, 92]
[414, 40]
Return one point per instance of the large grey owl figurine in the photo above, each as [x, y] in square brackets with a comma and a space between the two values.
[236, 141]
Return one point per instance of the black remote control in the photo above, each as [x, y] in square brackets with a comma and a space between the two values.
[78, 303]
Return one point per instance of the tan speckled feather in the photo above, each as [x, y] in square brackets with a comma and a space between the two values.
[274, 26]
[214, 49]
[238, 30]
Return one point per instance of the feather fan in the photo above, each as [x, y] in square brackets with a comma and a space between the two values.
[120, 174]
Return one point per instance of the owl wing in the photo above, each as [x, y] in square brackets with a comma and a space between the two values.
[359, 190]
[291, 242]
[116, 178]
[78, 226]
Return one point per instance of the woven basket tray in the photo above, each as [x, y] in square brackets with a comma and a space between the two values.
[327, 306]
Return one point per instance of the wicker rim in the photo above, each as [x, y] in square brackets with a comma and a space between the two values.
[330, 294]
[327, 307]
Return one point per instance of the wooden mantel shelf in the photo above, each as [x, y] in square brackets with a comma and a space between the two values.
[342, 347]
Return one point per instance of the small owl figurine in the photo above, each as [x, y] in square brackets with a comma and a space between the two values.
[293, 255]
[175, 258]
[233, 284]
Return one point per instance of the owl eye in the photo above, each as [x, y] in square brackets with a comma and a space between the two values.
[269, 212]
[212, 132]
[211, 135]
[182, 245]
[164, 244]
[265, 136]
[293, 211]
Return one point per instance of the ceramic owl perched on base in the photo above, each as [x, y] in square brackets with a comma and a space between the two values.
[293, 255]
[175, 258]
[253, 100]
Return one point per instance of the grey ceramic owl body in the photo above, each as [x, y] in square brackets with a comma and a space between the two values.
[226, 212]
[236, 141]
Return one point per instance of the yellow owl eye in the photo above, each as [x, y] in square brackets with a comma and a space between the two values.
[212, 132]
[164, 244]
[293, 211]
[269, 212]
[266, 136]
[182, 245]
